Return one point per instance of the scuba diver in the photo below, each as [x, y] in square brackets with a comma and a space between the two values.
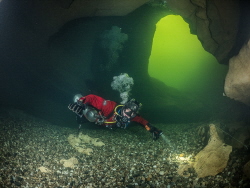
[109, 114]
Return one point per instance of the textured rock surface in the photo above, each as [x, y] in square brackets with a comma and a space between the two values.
[237, 83]
[70, 162]
[44, 169]
[214, 22]
[79, 143]
[246, 169]
[214, 157]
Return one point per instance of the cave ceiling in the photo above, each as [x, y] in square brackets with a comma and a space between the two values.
[216, 23]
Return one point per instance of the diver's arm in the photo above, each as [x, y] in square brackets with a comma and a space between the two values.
[148, 126]
[156, 133]
[140, 120]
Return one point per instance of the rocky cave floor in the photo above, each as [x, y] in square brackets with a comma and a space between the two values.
[129, 158]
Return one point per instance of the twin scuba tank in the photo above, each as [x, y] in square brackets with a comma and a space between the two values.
[90, 113]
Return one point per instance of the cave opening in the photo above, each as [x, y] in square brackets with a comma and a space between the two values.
[179, 60]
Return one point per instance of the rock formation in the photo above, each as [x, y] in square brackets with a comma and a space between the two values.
[237, 83]
[79, 143]
[44, 169]
[214, 157]
[70, 162]
[217, 24]
[214, 22]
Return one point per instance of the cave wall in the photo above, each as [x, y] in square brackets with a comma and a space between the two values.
[216, 23]
[237, 81]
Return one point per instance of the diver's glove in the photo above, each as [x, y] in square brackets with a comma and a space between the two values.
[77, 107]
[156, 133]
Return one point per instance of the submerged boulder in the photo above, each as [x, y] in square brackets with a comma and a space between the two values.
[237, 81]
[214, 157]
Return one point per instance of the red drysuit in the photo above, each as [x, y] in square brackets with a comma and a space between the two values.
[107, 109]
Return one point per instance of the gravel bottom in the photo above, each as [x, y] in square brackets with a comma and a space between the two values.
[129, 158]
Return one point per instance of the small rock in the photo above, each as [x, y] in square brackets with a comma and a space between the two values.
[161, 173]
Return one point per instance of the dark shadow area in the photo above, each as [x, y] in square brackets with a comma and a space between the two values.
[244, 28]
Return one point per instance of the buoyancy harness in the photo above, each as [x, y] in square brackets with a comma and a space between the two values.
[117, 119]
[121, 121]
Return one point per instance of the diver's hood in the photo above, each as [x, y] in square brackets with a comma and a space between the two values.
[134, 106]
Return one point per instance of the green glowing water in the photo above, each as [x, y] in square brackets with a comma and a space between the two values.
[179, 60]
